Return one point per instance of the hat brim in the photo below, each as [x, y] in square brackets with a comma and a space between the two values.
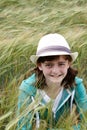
[34, 58]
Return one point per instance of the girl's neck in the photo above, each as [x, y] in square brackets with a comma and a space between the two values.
[53, 85]
[52, 90]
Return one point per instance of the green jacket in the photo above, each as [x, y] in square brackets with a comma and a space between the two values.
[28, 93]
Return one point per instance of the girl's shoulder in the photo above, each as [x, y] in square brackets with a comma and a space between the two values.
[78, 80]
[28, 85]
[79, 84]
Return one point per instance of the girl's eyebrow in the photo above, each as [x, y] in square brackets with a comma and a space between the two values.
[47, 62]
[61, 62]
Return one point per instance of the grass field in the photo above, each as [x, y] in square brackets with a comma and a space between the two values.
[22, 23]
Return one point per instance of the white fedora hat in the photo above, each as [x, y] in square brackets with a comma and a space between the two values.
[53, 44]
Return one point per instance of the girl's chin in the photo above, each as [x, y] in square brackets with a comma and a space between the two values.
[55, 81]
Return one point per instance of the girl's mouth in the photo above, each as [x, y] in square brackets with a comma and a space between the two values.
[57, 75]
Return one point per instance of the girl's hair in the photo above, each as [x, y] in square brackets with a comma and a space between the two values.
[67, 82]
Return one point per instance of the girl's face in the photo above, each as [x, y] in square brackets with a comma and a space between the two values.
[55, 70]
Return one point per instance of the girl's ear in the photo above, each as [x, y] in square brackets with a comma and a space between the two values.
[39, 66]
[69, 64]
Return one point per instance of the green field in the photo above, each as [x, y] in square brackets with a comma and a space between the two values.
[22, 24]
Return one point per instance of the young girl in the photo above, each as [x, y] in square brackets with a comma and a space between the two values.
[53, 82]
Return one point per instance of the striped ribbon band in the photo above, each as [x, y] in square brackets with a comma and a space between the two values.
[53, 48]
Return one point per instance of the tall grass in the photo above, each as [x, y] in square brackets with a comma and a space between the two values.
[22, 23]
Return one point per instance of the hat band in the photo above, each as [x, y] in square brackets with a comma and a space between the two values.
[53, 48]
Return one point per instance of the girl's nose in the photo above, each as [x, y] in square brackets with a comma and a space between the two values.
[55, 69]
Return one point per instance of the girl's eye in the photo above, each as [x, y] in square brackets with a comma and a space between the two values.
[61, 64]
[49, 65]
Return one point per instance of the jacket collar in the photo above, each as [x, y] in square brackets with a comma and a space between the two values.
[65, 96]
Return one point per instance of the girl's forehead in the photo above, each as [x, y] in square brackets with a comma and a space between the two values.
[59, 59]
[56, 57]
[62, 57]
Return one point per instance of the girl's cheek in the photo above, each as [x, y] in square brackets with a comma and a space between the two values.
[64, 70]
